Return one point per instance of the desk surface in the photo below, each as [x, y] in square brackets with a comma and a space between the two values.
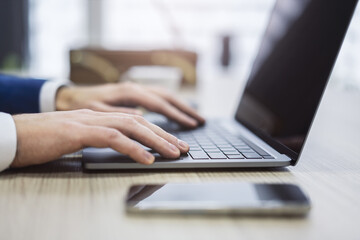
[68, 204]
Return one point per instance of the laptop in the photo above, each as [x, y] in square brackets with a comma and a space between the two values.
[280, 100]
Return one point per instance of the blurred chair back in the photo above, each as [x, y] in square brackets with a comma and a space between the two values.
[97, 66]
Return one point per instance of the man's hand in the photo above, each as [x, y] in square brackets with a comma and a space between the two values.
[118, 97]
[47, 136]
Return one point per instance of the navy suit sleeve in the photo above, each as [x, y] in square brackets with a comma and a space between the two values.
[19, 95]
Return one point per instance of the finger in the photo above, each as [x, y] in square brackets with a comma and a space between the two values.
[179, 104]
[159, 105]
[175, 114]
[102, 107]
[148, 138]
[183, 146]
[133, 129]
[113, 120]
[97, 136]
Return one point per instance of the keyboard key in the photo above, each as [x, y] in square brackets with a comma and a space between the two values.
[228, 149]
[235, 156]
[214, 150]
[232, 152]
[195, 148]
[208, 146]
[243, 148]
[193, 144]
[218, 138]
[224, 145]
[217, 155]
[234, 139]
[239, 144]
[198, 155]
[219, 144]
[253, 155]
[247, 151]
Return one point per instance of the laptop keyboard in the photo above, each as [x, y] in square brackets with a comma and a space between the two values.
[210, 142]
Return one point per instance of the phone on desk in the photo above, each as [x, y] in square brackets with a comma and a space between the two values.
[218, 198]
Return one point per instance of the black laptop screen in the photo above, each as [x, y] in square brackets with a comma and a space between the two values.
[290, 72]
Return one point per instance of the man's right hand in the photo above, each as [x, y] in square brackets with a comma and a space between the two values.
[45, 137]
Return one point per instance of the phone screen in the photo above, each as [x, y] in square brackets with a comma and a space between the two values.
[218, 197]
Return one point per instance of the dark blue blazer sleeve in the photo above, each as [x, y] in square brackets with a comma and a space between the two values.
[19, 95]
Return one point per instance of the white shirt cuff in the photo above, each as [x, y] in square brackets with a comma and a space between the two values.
[48, 95]
[8, 140]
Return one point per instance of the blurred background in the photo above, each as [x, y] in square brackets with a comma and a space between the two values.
[37, 35]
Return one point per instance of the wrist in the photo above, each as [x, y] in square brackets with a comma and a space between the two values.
[17, 122]
[64, 97]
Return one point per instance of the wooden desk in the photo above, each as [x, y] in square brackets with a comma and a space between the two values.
[75, 205]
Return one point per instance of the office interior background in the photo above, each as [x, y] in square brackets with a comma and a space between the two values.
[46, 203]
[36, 35]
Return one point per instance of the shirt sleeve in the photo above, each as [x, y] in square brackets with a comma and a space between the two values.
[19, 95]
[48, 95]
[8, 140]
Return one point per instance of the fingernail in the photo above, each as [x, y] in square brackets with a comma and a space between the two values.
[149, 158]
[173, 148]
[183, 144]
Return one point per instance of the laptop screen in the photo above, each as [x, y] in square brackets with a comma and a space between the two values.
[290, 72]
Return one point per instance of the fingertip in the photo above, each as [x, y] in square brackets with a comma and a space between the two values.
[192, 123]
[148, 158]
[199, 118]
[175, 150]
[183, 146]
[202, 119]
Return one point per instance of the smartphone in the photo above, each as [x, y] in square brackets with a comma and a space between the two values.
[218, 198]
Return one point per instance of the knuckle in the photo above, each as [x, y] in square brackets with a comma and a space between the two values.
[76, 131]
[140, 119]
[70, 125]
[112, 134]
[130, 122]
